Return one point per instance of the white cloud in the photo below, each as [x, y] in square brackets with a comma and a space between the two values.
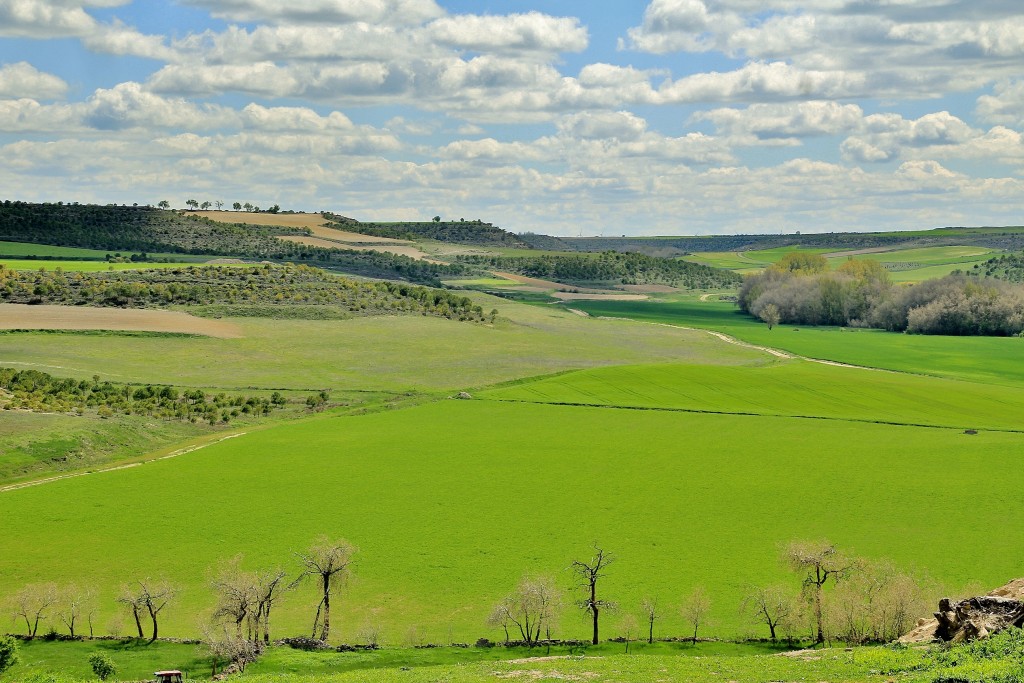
[24, 80]
[1005, 106]
[620, 125]
[759, 81]
[41, 19]
[885, 137]
[392, 12]
[530, 32]
[784, 123]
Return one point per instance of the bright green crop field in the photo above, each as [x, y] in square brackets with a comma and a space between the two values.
[450, 503]
[796, 389]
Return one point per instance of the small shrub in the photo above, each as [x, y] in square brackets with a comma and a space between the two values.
[102, 665]
[8, 653]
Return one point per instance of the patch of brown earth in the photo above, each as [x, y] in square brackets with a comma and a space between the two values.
[25, 317]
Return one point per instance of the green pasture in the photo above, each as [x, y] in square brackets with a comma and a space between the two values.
[452, 502]
[15, 249]
[795, 389]
[135, 660]
[990, 360]
[404, 353]
[85, 266]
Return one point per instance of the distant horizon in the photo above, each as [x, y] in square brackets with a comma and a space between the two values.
[660, 117]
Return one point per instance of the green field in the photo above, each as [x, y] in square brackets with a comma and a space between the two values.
[990, 360]
[451, 502]
[793, 389]
[705, 662]
[905, 265]
[15, 249]
[86, 266]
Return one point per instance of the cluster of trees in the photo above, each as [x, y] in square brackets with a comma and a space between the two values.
[474, 232]
[147, 229]
[864, 601]
[612, 267]
[298, 287]
[1009, 267]
[237, 206]
[799, 289]
[40, 392]
[838, 598]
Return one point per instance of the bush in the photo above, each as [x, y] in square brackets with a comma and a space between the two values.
[8, 653]
[102, 665]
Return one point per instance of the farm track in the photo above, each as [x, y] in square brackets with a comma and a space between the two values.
[113, 468]
[778, 353]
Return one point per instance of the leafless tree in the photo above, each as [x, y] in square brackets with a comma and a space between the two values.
[236, 591]
[269, 585]
[651, 612]
[230, 649]
[149, 596]
[629, 626]
[879, 603]
[695, 609]
[135, 604]
[33, 603]
[326, 561]
[773, 606]
[588, 573]
[818, 561]
[73, 603]
[532, 607]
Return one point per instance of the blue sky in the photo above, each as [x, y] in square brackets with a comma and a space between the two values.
[622, 117]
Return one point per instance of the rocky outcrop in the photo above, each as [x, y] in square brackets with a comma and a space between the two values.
[973, 618]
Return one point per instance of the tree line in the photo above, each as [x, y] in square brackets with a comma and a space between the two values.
[282, 287]
[611, 267]
[799, 289]
[834, 597]
[474, 232]
[148, 229]
[38, 391]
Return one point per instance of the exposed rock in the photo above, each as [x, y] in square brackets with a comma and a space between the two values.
[973, 618]
[464, 395]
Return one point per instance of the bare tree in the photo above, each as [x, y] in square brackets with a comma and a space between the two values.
[630, 627]
[878, 603]
[236, 591]
[149, 596]
[74, 602]
[531, 607]
[326, 561]
[588, 573]
[227, 648]
[772, 606]
[32, 603]
[129, 597]
[818, 561]
[651, 612]
[269, 585]
[695, 609]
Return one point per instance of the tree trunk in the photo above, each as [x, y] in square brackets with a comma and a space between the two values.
[771, 627]
[593, 607]
[650, 634]
[266, 624]
[820, 637]
[326, 633]
[138, 621]
[152, 615]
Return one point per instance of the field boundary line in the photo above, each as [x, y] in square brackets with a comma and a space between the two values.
[173, 454]
[740, 413]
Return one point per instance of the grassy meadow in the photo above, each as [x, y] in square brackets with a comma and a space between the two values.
[988, 360]
[904, 264]
[452, 502]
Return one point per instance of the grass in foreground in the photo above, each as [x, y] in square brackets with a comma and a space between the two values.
[995, 661]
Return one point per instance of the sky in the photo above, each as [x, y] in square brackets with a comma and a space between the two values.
[613, 117]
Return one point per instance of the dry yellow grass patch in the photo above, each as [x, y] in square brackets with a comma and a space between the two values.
[25, 317]
[314, 221]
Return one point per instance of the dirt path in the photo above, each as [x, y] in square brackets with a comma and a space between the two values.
[114, 468]
[778, 353]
